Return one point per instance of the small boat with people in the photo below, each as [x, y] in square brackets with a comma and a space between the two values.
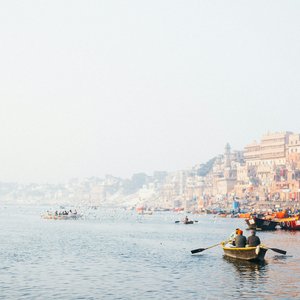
[62, 215]
[186, 221]
[242, 248]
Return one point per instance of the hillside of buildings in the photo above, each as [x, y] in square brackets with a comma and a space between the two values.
[263, 174]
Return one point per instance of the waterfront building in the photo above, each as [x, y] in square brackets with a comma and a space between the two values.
[252, 154]
[271, 150]
[273, 164]
[294, 150]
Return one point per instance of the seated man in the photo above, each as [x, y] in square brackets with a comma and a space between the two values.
[240, 240]
[232, 236]
[253, 240]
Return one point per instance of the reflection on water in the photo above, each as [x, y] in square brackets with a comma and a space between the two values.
[246, 270]
[250, 277]
[114, 254]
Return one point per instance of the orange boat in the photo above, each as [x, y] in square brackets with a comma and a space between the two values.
[245, 216]
[281, 214]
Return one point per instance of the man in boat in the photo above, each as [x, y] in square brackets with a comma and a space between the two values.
[240, 240]
[233, 236]
[186, 220]
[253, 240]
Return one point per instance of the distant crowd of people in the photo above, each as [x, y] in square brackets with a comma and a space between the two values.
[238, 240]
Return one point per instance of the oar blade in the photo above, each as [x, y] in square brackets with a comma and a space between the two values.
[198, 250]
[202, 249]
[278, 250]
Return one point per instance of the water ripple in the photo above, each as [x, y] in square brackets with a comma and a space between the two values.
[119, 255]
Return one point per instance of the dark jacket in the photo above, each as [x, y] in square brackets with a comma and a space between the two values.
[240, 241]
[253, 241]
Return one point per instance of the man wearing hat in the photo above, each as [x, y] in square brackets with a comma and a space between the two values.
[240, 240]
[233, 236]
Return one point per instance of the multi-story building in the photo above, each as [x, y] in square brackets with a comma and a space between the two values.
[273, 148]
[274, 162]
[252, 154]
[294, 150]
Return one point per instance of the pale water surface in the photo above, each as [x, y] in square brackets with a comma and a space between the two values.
[114, 254]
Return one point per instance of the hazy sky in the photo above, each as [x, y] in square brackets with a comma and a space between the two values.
[89, 88]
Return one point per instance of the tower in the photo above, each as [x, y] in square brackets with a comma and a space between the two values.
[227, 159]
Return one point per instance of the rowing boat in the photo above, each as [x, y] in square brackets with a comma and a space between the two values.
[188, 222]
[247, 253]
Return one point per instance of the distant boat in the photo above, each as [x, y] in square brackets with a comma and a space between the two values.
[61, 215]
[244, 215]
[223, 215]
[141, 210]
[161, 209]
[146, 212]
[247, 253]
[188, 222]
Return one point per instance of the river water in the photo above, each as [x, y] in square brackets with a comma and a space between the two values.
[114, 254]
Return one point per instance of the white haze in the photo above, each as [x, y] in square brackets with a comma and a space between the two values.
[89, 88]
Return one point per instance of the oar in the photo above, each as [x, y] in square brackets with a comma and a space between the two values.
[276, 250]
[202, 249]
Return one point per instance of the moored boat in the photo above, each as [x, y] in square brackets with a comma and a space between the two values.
[247, 253]
[244, 215]
[292, 223]
[222, 215]
[261, 223]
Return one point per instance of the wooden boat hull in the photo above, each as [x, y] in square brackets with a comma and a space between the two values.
[247, 253]
[188, 222]
[261, 224]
